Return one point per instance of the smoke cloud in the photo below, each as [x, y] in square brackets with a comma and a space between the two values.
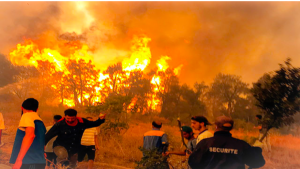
[242, 38]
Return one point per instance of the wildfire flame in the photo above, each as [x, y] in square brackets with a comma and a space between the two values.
[140, 57]
[31, 54]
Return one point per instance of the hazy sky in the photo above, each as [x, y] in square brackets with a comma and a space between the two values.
[242, 38]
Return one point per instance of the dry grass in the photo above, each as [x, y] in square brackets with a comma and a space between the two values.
[123, 150]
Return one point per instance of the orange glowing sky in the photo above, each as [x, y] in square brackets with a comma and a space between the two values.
[242, 38]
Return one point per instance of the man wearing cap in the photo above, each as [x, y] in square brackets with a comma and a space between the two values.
[155, 138]
[191, 145]
[28, 149]
[69, 131]
[199, 123]
[225, 152]
[188, 134]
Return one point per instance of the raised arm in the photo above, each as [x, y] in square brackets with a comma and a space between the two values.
[98, 122]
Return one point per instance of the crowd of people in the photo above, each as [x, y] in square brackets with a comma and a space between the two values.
[208, 151]
[71, 138]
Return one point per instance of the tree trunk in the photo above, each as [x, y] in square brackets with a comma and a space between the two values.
[229, 108]
[264, 135]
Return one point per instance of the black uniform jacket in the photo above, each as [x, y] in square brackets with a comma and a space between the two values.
[70, 136]
[225, 152]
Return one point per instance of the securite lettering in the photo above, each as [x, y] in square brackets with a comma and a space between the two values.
[223, 150]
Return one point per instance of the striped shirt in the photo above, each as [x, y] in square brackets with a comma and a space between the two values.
[88, 137]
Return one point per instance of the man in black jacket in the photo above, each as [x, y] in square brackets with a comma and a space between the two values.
[69, 131]
[225, 152]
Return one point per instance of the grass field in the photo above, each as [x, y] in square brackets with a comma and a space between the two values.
[122, 150]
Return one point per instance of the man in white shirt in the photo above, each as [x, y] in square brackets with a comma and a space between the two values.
[1, 128]
[89, 145]
[199, 123]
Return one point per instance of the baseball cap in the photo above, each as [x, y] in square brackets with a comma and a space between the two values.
[224, 122]
[201, 119]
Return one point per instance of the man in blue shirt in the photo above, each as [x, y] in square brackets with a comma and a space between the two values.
[155, 145]
[155, 138]
[28, 149]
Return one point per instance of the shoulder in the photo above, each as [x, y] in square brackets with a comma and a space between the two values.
[31, 116]
[204, 142]
[154, 133]
[208, 133]
[241, 142]
[205, 134]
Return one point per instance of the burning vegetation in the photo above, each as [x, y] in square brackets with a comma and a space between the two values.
[67, 69]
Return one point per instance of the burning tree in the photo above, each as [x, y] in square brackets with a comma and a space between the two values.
[67, 70]
[277, 95]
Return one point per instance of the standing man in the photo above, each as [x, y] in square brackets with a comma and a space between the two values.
[156, 140]
[262, 129]
[191, 145]
[1, 128]
[199, 123]
[49, 147]
[69, 131]
[225, 152]
[28, 149]
[89, 145]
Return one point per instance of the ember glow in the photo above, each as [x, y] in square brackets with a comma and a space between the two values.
[74, 61]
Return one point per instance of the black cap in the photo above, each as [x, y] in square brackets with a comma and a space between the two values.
[157, 124]
[30, 104]
[201, 119]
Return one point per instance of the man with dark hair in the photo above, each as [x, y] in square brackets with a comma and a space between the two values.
[188, 134]
[155, 139]
[49, 147]
[28, 149]
[199, 124]
[262, 129]
[89, 145]
[69, 131]
[222, 151]
[155, 145]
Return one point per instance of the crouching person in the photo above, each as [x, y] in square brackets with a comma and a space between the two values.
[69, 131]
[222, 151]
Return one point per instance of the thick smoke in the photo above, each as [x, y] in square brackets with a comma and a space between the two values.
[242, 38]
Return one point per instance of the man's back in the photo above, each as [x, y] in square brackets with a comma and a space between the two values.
[35, 154]
[155, 139]
[224, 152]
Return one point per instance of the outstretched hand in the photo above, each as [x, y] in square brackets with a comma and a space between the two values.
[102, 116]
